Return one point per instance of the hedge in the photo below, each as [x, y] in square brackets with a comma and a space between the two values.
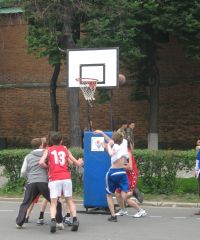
[157, 169]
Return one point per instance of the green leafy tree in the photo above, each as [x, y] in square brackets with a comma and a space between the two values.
[183, 20]
[138, 27]
[53, 26]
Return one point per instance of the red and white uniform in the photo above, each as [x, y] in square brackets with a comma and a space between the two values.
[58, 169]
[132, 174]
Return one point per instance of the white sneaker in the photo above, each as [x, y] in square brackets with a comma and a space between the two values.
[122, 212]
[68, 221]
[60, 226]
[40, 221]
[139, 214]
[18, 226]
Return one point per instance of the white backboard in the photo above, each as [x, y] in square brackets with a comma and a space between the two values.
[101, 64]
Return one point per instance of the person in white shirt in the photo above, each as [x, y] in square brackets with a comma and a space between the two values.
[116, 177]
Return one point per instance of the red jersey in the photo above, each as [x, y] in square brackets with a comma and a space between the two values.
[58, 169]
[132, 174]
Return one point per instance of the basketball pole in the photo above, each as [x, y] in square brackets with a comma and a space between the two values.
[111, 110]
[88, 116]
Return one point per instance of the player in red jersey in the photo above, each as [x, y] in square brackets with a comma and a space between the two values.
[56, 158]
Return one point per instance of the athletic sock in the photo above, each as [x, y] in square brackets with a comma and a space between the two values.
[26, 219]
[74, 219]
[41, 215]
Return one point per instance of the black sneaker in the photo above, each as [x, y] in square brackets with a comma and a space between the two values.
[112, 219]
[75, 226]
[26, 219]
[53, 227]
[138, 195]
[197, 213]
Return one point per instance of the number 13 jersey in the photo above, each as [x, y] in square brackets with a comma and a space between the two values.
[58, 157]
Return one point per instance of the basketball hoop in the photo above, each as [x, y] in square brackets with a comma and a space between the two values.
[88, 88]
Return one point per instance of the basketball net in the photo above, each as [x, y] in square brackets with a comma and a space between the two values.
[88, 88]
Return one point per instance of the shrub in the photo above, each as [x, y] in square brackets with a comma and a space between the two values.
[76, 172]
[158, 169]
[11, 160]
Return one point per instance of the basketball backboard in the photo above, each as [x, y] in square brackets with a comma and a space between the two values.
[101, 64]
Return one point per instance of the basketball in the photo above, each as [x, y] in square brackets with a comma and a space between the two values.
[122, 79]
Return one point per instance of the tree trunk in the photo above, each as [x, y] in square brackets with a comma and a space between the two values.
[111, 110]
[154, 108]
[153, 117]
[154, 83]
[74, 117]
[74, 104]
[54, 105]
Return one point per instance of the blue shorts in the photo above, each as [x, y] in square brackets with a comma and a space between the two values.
[116, 178]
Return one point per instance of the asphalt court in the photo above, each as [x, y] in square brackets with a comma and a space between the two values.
[163, 223]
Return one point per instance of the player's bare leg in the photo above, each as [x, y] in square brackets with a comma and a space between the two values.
[113, 217]
[121, 203]
[53, 215]
[72, 208]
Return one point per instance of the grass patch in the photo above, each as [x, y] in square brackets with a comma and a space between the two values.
[186, 191]
[186, 185]
[187, 198]
[4, 194]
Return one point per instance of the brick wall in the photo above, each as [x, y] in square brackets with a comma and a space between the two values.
[25, 111]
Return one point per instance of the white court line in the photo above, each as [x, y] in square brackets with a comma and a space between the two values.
[10, 202]
[179, 217]
[18, 202]
[5, 210]
[155, 216]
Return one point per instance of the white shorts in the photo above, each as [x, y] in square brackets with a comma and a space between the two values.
[60, 187]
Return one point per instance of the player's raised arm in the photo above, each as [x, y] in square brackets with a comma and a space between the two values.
[107, 138]
[109, 149]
